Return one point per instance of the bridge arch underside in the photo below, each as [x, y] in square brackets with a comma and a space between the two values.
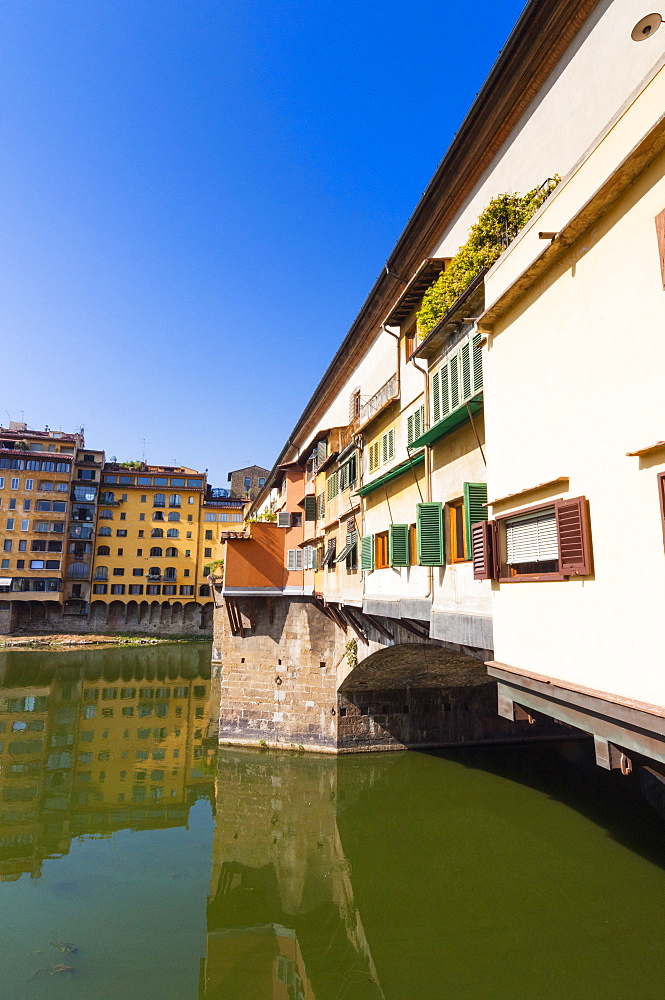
[420, 695]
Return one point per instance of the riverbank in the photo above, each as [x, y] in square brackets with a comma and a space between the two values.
[62, 641]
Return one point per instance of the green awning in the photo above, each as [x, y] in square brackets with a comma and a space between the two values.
[450, 423]
[398, 470]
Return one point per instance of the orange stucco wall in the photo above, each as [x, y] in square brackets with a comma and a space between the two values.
[258, 561]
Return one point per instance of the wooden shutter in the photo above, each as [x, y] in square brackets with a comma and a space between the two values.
[333, 485]
[475, 498]
[321, 452]
[436, 397]
[398, 545]
[483, 550]
[310, 508]
[660, 235]
[444, 393]
[321, 507]
[465, 364]
[367, 552]
[374, 456]
[429, 529]
[294, 560]
[410, 436]
[453, 365]
[391, 443]
[477, 363]
[572, 522]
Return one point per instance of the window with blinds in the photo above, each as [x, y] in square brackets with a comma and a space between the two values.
[374, 456]
[415, 425]
[532, 538]
[321, 507]
[388, 446]
[459, 379]
[347, 473]
[332, 484]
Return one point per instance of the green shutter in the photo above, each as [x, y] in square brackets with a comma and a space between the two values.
[332, 485]
[409, 429]
[445, 392]
[398, 545]
[475, 498]
[310, 508]
[465, 362]
[436, 397]
[453, 365]
[477, 364]
[367, 552]
[429, 529]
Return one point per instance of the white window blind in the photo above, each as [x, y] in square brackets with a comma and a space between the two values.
[532, 538]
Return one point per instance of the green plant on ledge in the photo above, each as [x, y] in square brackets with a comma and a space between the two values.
[263, 515]
[496, 228]
[209, 568]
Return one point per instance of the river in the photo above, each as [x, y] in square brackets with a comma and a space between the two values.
[138, 862]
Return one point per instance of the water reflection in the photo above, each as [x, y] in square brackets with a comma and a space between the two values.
[95, 741]
[282, 919]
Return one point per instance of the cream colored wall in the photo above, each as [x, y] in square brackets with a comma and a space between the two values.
[399, 508]
[598, 74]
[574, 381]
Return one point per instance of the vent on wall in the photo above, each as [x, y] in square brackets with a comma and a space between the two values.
[284, 519]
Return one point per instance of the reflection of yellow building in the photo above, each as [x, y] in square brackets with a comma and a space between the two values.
[106, 740]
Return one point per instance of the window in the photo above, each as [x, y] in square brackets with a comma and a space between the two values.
[99, 588]
[332, 485]
[173, 515]
[549, 542]
[398, 545]
[155, 551]
[45, 485]
[117, 588]
[388, 446]
[104, 530]
[321, 507]
[118, 571]
[456, 533]
[328, 561]
[409, 343]
[248, 482]
[141, 517]
[29, 484]
[14, 484]
[66, 467]
[121, 533]
[262, 481]
[187, 590]
[169, 590]
[12, 503]
[101, 573]
[2, 483]
[153, 589]
[208, 536]
[170, 573]
[173, 533]
[48, 466]
[210, 516]
[429, 534]
[123, 516]
[10, 524]
[82, 473]
[36, 564]
[137, 572]
[5, 565]
[459, 379]
[294, 560]
[59, 506]
[415, 424]
[26, 504]
[381, 550]
[25, 525]
[157, 515]
[159, 500]
[207, 553]
[103, 550]
[236, 517]
[374, 456]
[347, 473]
[188, 534]
[22, 545]
[172, 552]
[157, 533]
[108, 514]
[204, 590]
[135, 589]
[175, 500]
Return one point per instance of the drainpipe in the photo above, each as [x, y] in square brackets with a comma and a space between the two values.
[428, 469]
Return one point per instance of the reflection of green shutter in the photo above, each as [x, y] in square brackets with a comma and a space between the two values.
[429, 530]
[310, 508]
[367, 552]
[398, 545]
[475, 498]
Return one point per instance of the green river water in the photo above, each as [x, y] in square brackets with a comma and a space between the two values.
[138, 862]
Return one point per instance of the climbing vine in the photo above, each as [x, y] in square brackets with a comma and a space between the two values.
[351, 649]
[496, 228]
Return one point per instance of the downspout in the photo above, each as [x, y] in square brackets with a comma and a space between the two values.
[428, 468]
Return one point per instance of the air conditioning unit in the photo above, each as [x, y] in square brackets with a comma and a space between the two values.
[284, 519]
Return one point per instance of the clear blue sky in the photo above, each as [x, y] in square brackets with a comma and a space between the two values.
[197, 196]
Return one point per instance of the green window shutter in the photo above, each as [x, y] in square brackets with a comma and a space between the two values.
[444, 393]
[453, 365]
[436, 397]
[475, 498]
[367, 552]
[419, 421]
[332, 484]
[477, 363]
[391, 443]
[429, 533]
[321, 452]
[409, 429]
[398, 545]
[310, 508]
[465, 362]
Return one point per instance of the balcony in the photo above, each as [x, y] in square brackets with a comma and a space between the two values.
[387, 394]
[154, 577]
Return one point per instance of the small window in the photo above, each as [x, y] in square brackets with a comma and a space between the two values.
[172, 552]
[175, 500]
[118, 571]
[99, 588]
[117, 588]
[208, 536]
[388, 446]
[159, 500]
[381, 550]
[157, 533]
[173, 515]
[137, 572]
[155, 551]
[248, 483]
[173, 533]
[207, 553]
[262, 481]
[157, 515]
[456, 532]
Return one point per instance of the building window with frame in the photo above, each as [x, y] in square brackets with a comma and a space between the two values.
[381, 550]
[456, 532]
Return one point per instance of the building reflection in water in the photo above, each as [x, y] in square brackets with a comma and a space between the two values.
[282, 921]
[97, 741]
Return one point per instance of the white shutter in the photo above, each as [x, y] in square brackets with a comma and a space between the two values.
[294, 560]
[284, 519]
[532, 538]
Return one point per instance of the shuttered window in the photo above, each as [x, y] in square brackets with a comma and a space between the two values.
[484, 550]
[459, 379]
[329, 557]
[351, 542]
[532, 538]
[367, 553]
[572, 519]
[429, 532]
[374, 456]
[388, 446]
[332, 484]
[415, 425]
[347, 473]
[321, 507]
[310, 508]
[321, 452]
[399, 545]
[294, 560]
[307, 557]
[475, 509]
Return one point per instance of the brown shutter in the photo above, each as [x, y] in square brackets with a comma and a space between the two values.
[572, 522]
[482, 548]
[660, 234]
[661, 495]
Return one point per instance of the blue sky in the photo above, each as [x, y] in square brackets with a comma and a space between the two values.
[196, 197]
